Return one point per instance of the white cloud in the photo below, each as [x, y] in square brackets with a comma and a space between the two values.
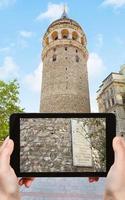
[33, 80]
[99, 40]
[96, 66]
[96, 74]
[114, 3]
[93, 102]
[9, 69]
[6, 3]
[4, 50]
[120, 41]
[54, 11]
[26, 34]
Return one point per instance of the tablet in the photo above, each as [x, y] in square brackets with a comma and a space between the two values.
[62, 144]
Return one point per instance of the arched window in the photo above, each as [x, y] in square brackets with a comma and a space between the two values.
[74, 35]
[55, 35]
[65, 48]
[47, 41]
[82, 40]
[65, 33]
[54, 58]
[77, 58]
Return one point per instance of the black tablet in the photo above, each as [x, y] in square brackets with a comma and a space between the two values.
[62, 144]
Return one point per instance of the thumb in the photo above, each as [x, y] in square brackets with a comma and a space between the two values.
[119, 149]
[5, 154]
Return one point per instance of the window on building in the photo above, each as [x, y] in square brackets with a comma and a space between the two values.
[111, 90]
[76, 51]
[65, 48]
[54, 49]
[77, 58]
[108, 103]
[113, 102]
[123, 99]
[54, 58]
[105, 106]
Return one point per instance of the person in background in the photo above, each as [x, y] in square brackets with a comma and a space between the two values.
[115, 181]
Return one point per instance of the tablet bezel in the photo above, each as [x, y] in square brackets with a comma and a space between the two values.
[15, 136]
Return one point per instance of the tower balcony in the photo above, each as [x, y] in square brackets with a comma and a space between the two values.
[63, 42]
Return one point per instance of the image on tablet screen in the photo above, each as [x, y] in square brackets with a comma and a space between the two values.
[62, 144]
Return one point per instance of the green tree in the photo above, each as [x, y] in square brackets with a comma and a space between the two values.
[9, 103]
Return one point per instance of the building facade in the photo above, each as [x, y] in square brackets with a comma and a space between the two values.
[111, 98]
[65, 78]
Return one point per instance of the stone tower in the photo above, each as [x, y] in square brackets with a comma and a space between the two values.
[65, 77]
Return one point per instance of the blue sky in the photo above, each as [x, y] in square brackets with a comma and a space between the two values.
[23, 24]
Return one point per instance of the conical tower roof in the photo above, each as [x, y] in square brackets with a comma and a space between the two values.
[64, 19]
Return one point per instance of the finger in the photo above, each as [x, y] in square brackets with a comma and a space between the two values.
[20, 182]
[5, 155]
[26, 181]
[93, 179]
[123, 141]
[119, 149]
[4, 143]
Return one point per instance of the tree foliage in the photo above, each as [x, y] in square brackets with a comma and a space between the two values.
[9, 103]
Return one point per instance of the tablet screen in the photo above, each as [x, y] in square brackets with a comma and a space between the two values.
[63, 144]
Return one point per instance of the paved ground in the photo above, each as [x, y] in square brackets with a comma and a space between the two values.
[64, 189]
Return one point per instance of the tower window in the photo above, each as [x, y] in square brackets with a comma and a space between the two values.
[47, 41]
[77, 58]
[65, 33]
[82, 41]
[54, 49]
[76, 51]
[54, 35]
[74, 35]
[54, 58]
[65, 48]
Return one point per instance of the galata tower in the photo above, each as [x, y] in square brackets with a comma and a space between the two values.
[65, 78]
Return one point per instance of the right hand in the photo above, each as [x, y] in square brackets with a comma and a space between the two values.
[115, 181]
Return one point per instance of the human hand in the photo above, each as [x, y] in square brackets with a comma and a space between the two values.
[9, 189]
[115, 181]
[93, 179]
[27, 181]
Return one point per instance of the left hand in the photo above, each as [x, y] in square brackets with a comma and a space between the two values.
[9, 188]
[27, 181]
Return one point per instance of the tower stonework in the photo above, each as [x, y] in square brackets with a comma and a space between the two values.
[65, 77]
[64, 90]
